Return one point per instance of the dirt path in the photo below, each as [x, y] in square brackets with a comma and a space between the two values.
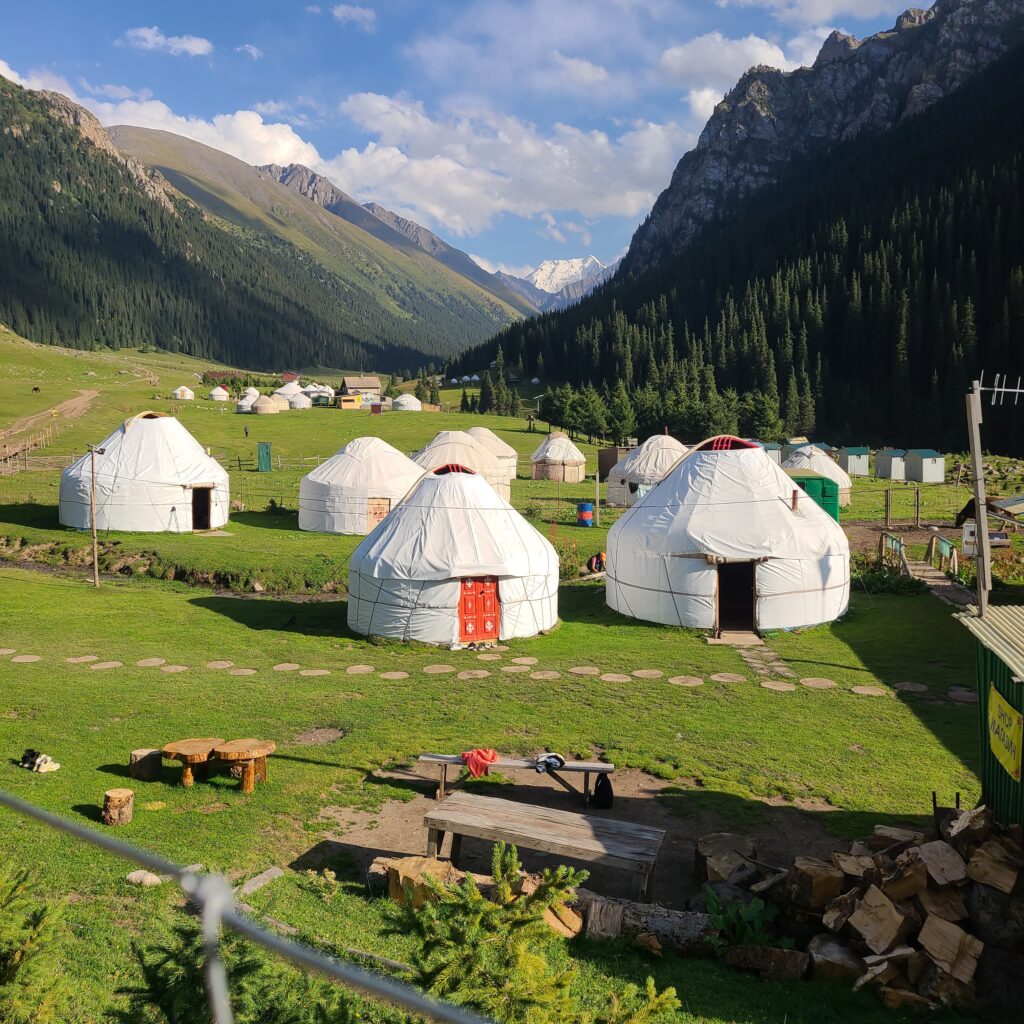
[69, 409]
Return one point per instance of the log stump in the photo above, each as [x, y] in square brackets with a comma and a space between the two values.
[118, 806]
[145, 764]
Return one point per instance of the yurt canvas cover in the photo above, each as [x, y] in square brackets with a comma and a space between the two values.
[649, 463]
[453, 563]
[355, 488]
[459, 448]
[183, 394]
[407, 403]
[505, 455]
[813, 458]
[615, 489]
[557, 458]
[717, 544]
[153, 476]
[300, 401]
[218, 394]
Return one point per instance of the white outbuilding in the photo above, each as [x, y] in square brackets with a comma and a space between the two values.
[649, 463]
[813, 459]
[925, 465]
[453, 563]
[183, 394]
[407, 402]
[300, 401]
[718, 545]
[152, 476]
[855, 460]
[458, 448]
[218, 394]
[890, 464]
[356, 487]
[557, 458]
[506, 455]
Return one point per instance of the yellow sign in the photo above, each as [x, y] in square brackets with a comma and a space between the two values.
[1005, 731]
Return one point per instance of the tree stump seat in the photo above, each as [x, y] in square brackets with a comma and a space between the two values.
[194, 755]
[118, 805]
[251, 755]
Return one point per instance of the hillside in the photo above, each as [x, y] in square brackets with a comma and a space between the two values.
[854, 299]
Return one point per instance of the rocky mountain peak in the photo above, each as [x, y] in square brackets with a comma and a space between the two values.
[837, 46]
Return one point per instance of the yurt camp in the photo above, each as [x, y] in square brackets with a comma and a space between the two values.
[452, 564]
[407, 403]
[649, 463]
[557, 458]
[355, 488]
[811, 457]
[183, 394]
[727, 542]
[457, 447]
[506, 456]
[218, 394]
[152, 476]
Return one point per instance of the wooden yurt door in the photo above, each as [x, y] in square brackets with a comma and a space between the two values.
[479, 615]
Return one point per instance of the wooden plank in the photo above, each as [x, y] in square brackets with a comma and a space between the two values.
[951, 948]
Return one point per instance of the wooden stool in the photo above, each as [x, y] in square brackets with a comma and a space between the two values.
[251, 755]
[191, 752]
[118, 805]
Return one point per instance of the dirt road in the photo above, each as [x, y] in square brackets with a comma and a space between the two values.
[69, 409]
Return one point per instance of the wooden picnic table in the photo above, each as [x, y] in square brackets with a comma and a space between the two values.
[620, 844]
[251, 754]
[194, 752]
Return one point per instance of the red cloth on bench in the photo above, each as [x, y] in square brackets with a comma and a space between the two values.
[478, 760]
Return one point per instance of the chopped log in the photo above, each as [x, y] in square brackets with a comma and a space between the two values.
[909, 877]
[943, 988]
[878, 921]
[813, 883]
[899, 998]
[951, 948]
[831, 959]
[648, 941]
[719, 854]
[945, 865]
[859, 849]
[769, 883]
[604, 920]
[838, 912]
[895, 835]
[997, 919]
[145, 764]
[768, 962]
[118, 806]
[893, 956]
[945, 903]
[880, 974]
[685, 931]
[997, 864]
[916, 965]
[561, 919]
[854, 865]
[407, 878]
[971, 827]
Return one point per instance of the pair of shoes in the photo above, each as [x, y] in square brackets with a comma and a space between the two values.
[45, 763]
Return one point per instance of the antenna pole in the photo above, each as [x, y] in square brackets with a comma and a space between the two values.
[982, 555]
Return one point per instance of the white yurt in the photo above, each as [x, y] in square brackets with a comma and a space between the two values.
[218, 394]
[407, 403]
[459, 448]
[814, 460]
[251, 392]
[453, 563]
[183, 394]
[506, 455]
[300, 401]
[615, 489]
[265, 406]
[289, 389]
[718, 545]
[152, 476]
[557, 458]
[244, 404]
[280, 402]
[649, 463]
[355, 488]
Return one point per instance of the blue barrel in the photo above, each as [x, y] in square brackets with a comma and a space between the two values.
[585, 513]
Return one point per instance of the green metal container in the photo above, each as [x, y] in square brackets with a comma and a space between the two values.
[263, 457]
[822, 490]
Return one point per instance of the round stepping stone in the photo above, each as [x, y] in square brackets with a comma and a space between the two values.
[25, 659]
[286, 666]
[615, 677]
[4, 651]
[171, 669]
[907, 687]
[524, 661]
[686, 681]
[394, 675]
[500, 647]
[105, 664]
[817, 683]
[648, 673]
[151, 662]
[869, 691]
[219, 664]
[315, 672]
[585, 670]
[962, 696]
[515, 668]
[242, 672]
[728, 677]
[474, 673]
[547, 674]
[82, 659]
[488, 656]
[777, 685]
[359, 670]
[436, 670]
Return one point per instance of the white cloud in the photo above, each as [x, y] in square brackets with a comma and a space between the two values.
[111, 91]
[817, 12]
[581, 230]
[312, 9]
[38, 78]
[578, 70]
[247, 48]
[177, 46]
[715, 60]
[805, 46]
[516, 270]
[702, 102]
[363, 17]
[550, 229]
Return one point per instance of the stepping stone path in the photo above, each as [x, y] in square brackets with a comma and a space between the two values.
[436, 670]
[242, 672]
[615, 677]
[488, 656]
[219, 664]
[686, 681]
[499, 647]
[962, 696]
[25, 659]
[777, 686]
[359, 670]
[728, 677]
[82, 659]
[546, 675]
[648, 673]
[524, 661]
[818, 683]
[315, 672]
[910, 687]
[515, 668]
[151, 662]
[474, 673]
[99, 665]
[171, 669]
[585, 670]
[286, 666]
[870, 691]
[394, 675]
[4, 651]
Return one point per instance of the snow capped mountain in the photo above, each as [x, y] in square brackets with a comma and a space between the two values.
[553, 275]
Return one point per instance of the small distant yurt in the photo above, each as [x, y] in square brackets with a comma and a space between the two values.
[355, 488]
[453, 563]
[459, 448]
[649, 463]
[218, 394]
[615, 490]
[465, 378]
[183, 394]
[925, 465]
[289, 389]
[152, 476]
[507, 456]
[719, 545]
[251, 393]
[557, 458]
[475, 378]
[890, 464]
[280, 402]
[265, 406]
[244, 404]
[812, 458]
[407, 403]
[300, 401]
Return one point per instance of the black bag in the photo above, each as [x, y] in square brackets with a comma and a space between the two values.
[604, 795]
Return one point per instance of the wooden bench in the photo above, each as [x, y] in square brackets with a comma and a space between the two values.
[619, 844]
[588, 768]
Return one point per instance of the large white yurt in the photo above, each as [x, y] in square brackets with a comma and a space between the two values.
[459, 448]
[289, 389]
[251, 392]
[244, 404]
[453, 563]
[300, 401]
[356, 487]
[718, 545]
[649, 464]
[407, 403]
[280, 401]
[152, 476]
[218, 394]
[506, 456]
[265, 406]
[557, 458]
[812, 459]
[183, 394]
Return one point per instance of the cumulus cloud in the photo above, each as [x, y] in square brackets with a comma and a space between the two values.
[550, 229]
[111, 91]
[152, 38]
[714, 60]
[805, 46]
[579, 70]
[702, 102]
[492, 267]
[351, 14]
[252, 51]
[817, 12]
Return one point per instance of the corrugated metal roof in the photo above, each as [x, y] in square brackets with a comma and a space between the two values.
[856, 451]
[1001, 631]
[926, 453]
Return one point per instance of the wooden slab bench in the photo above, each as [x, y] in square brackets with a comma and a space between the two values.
[588, 768]
[618, 844]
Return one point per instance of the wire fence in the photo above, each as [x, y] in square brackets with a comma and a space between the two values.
[214, 899]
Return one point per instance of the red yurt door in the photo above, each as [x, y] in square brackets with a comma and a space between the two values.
[478, 609]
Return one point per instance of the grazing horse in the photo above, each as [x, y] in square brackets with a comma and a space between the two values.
[35, 390]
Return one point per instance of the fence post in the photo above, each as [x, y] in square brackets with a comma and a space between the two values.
[917, 506]
[888, 507]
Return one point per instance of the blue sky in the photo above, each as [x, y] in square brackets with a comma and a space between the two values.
[519, 130]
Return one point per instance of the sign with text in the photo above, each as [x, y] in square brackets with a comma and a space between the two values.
[376, 510]
[1005, 731]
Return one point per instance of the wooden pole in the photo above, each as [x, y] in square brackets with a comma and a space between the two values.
[597, 498]
[982, 553]
[917, 507]
[92, 517]
[888, 507]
